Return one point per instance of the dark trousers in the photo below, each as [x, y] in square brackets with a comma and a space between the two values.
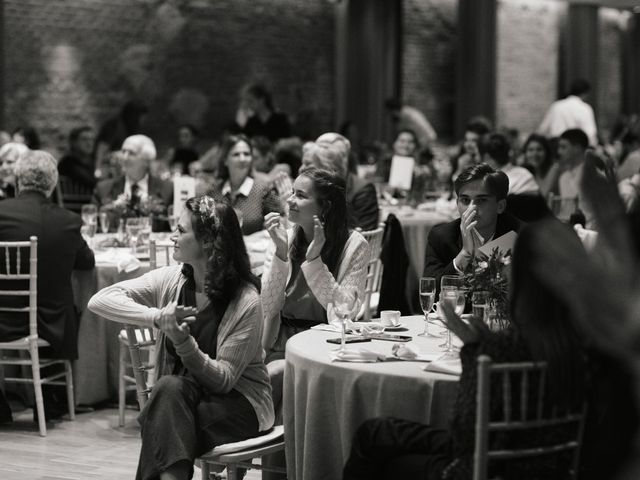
[392, 448]
[182, 421]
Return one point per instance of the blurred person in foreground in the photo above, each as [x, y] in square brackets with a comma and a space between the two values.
[212, 385]
[330, 151]
[9, 154]
[61, 249]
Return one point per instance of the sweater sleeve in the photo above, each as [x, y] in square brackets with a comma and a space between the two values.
[351, 273]
[220, 374]
[137, 301]
[274, 281]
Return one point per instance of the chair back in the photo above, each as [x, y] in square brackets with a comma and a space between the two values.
[72, 195]
[374, 267]
[21, 264]
[139, 338]
[521, 410]
[160, 254]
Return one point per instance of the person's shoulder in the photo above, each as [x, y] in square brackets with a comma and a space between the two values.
[446, 230]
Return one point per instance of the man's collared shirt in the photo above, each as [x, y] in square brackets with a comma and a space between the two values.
[143, 187]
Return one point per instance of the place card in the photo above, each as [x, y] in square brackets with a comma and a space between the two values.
[401, 173]
[504, 243]
[183, 189]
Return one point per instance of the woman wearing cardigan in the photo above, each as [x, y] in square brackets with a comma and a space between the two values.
[306, 264]
[213, 386]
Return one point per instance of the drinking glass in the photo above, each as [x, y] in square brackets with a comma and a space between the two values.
[89, 214]
[427, 297]
[452, 292]
[480, 305]
[173, 219]
[345, 304]
[133, 227]
[103, 216]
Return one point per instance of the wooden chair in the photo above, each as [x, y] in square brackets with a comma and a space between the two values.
[233, 456]
[72, 195]
[160, 254]
[525, 381]
[374, 273]
[14, 271]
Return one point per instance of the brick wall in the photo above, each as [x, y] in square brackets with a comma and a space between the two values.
[71, 62]
[528, 39]
[428, 60]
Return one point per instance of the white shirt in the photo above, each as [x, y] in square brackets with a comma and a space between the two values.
[570, 112]
[143, 187]
[569, 187]
[520, 180]
[244, 189]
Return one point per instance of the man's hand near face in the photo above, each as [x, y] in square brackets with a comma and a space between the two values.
[471, 239]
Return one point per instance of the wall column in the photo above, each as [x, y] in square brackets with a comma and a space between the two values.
[476, 62]
[631, 66]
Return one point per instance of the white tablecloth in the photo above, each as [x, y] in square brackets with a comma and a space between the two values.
[325, 402]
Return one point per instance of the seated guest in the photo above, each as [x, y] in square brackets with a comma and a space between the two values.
[538, 158]
[79, 165]
[405, 145]
[497, 154]
[252, 198]
[136, 183]
[477, 129]
[331, 151]
[264, 120]
[305, 265]
[542, 329]
[9, 154]
[482, 197]
[212, 385]
[572, 146]
[61, 249]
[185, 151]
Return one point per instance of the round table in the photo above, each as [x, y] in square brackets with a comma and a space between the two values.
[325, 401]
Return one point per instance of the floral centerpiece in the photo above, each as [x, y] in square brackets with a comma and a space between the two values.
[125, 207]
[491, 274]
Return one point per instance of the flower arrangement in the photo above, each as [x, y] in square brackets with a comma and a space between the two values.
[491, 274]
[126, 207]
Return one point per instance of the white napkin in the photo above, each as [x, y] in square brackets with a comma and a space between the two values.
[452, 366]
[356, 355]
[128, 263]
[411, 353]
[328, 327]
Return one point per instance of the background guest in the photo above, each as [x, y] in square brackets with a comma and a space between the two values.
[470, 154]
[27, 135]
[538, 158]
[9, 155]
[264, 121]
[252, 198]
[61, 249]
[410, 118]
[497, 154]
[78, 164]
[185, 151]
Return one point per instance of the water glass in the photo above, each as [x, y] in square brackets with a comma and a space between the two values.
[173, 219]
[480, 305]
[427, 298]
[103, 216]
[452, 292]
[134, 226]
[89, 214]
[345, 305]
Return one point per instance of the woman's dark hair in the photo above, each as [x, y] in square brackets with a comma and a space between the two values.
[330, 192]
[497, 146]
[260, 92]
[542, 316]
[30, 135]
[75, 133]
[496, 181]
[227, 144]
[216, 226]
[548, 155]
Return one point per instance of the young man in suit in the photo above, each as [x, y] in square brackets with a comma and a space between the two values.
[482, 199]
[61, 249]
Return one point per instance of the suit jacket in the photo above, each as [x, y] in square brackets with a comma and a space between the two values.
[445, 242]
[61, 249]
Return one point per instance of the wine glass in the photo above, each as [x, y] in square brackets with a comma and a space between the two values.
[103, 216]
[345, 303]
[133, 227]
[480, 305]
[452, 293]
[427, 297]
[89, 214]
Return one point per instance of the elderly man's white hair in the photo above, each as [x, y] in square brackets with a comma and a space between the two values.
[337, 140]
[147, 147]
[36, 171]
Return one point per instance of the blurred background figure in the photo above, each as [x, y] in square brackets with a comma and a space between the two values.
[78, 164]
[27, 135]
[185, 151]
[407, 117]
[538, 158]
[264, 119]
[9, 154]
[475, 132]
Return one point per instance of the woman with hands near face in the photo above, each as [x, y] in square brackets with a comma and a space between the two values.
[213, 386]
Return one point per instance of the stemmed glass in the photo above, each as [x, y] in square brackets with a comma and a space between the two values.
[133, 227]
[427, 297]
[345, 304]
[89, 215]
[480, 305]
[103, 216]
[453, 294]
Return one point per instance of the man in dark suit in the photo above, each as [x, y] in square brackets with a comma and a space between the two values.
[61, 249]
[482, 199]
[137, 184]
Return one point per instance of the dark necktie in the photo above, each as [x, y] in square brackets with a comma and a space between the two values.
[135, 194]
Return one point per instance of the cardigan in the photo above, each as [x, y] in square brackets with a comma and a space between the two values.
[239, 363]
[276, 273]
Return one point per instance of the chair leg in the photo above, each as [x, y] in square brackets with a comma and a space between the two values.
[70, 397]
[232, 472]
[121, 384]
[37, 387]
[204, 469]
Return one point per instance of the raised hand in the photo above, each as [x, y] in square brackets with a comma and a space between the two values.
[278, 234]
[315, 247]
[174, 321]
[467, 229]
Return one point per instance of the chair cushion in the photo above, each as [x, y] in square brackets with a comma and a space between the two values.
[276, 433]
[22, 343]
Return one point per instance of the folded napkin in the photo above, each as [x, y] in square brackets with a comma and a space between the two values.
[356, 355]
[333, 327]
[445, 365]
[127, 263]
[411, 353]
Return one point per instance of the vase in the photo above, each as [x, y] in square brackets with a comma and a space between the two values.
[497, 319]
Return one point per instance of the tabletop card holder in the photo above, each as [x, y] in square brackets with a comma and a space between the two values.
[401, 173]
